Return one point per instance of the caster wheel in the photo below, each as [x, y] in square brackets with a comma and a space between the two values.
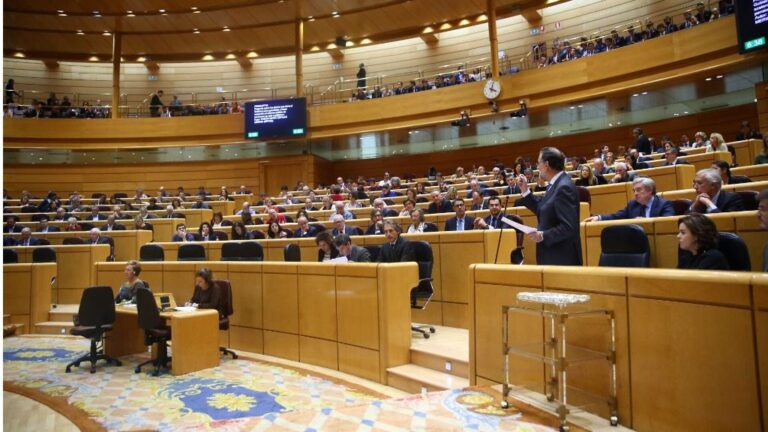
[426, 335]
[614, 420]
[564, 428]
[137, 370]
[504, 404]
[431, 330]
[69, 369]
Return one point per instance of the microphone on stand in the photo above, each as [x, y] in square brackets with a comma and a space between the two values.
[501, 231]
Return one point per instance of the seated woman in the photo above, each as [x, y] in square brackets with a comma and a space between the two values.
[217, 220]
[417, 222]
[408, 206]
[377, 223]
[206, 295]
[139, 224]
[326, 249]
[72, 225]
[275, 231]
[206, 232]
[698, 243]
[305, 213]
[240, 233]
[586, 177]
[127, 291]
[176, 203]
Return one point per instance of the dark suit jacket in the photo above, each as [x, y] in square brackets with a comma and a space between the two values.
[348, 230]
[511, 190]
[177, 238]
[726, 202]
[402, 250]
[115, 227]
[312, 232]
[450, 224]
[678, 162]
[16, 229]
[496, 223]
[51, 228]
[643, 145]
[389, 213]
[445, 207]
[558, 214]
[101, 240]
[738, 179]
[99, 217]
[32, 242]
[359, 254]
[660, 207]
[372, 230]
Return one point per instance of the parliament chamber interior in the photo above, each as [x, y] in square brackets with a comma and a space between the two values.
[326, 215]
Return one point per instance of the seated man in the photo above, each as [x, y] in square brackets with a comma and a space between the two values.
[709, 198]
[305, 229]
[672, 156]
[61, 215]
[340, 226]
[26, 238]
[460, 222]
[438, 204]
[341, 210]
[475, 186]
[182, 235]
[44, 227]
[95, 237]
[246, 209]
[645, 205]
[353, 252]
[380, 205]
[493, 220]
[153, 204]
[111, 225]
[512, 187]
[11, 225]
[396, 249]
[199, 203]
[146, 214]
[95, 215]
[622, 173]
[275, 216]
[170, 214]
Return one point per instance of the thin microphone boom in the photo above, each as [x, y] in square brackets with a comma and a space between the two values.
[501, 231]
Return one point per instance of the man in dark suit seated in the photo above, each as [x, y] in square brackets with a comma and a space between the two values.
[512, 187]
[11, 225]
[493, 220]
[557, 235]
[475, 186]
[44, 227]
[724, 168]
[646, 204]
[95, 215]
[354, 253]
[199, 203]
[709, 197]
[460, 222]
[95, 237]
[380, 205]
[111, 225]
[672, 155]
[182, 235]
[153, 204]
[26, 238]
[305, 230]
[438, 204]
[396, 249]
[170, 214]
[622, 173]
[340, 226]
[62, 215]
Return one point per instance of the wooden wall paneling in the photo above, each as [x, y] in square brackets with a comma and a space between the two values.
[760, 308]
[17, 301]
[280, 298]
[394, 288]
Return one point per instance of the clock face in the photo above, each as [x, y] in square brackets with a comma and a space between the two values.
[492, 89]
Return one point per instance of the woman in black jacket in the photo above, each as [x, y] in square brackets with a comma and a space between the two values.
[698, 244]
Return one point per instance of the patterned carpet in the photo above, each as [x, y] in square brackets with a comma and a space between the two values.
[237, 395]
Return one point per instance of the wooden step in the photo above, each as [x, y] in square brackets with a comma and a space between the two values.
[62, 312]
[447, 350]
[6, 319]
[416, 379]
[53, 327]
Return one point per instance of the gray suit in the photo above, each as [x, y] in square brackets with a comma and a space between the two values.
[359, 254]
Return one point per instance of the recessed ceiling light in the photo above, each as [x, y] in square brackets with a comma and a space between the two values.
[96, 13]
[226, 29]
[194, 8]
[464, 22]
[719, 77]
[141, 59]
[310, 18]
[365, 41]
[61, 13]
[252, 54]
[130, 14]
[230, 56]
[195, 31]
[207, 57]
[106, 33]
[162, 11]
[19, 55]
[93, 58]
[80, 33]
[645, 93]
[636, 95]
[708, 79]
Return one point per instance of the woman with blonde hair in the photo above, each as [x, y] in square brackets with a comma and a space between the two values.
[586, 176]
[716, 143]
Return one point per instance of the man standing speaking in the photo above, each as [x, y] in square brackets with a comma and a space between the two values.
[557, 235]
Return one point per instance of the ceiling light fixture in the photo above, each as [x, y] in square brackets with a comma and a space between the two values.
[141, 59]
[230, 56]
[61, 13]
[97, 14]
[226, 29]
[162, 11]
[93, 58]
[80, 33]
[252, 54]
[196, 31]
[207, 57]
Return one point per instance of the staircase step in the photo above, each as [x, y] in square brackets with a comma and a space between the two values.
[6, 319]
[412, 378]
[53, 327]
[62, 312]
[447, 350]
[440, 363]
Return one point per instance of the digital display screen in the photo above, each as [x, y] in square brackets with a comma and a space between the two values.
[285, 118]
[752, 24]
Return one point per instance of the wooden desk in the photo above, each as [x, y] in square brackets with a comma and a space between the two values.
[194, 338]
[27, 293]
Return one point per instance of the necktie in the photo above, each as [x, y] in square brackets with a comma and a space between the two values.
[645, 210]
[493, 221]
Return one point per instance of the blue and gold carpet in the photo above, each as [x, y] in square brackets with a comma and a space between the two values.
[238, 395]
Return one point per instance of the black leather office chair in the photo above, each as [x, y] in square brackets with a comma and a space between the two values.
[10, 256]
[221, 236]
[749, 198]
[44, 255]
[624, 246]
[226, 223]
[681, 206]
[197, 237]
[37, 217]
[231, 251]
[111, 242]
[86, 226]
[735, 251]
[151, 252]
[422, 293]
[43, 242]
[225, 295]
[584, 195]
[251, 251]
[430, 227]
[94, 318]
[292, 253]
[374, 250]
[155, 330]
[73, 241]
[258, 235]
[516, 256]
[191, 252]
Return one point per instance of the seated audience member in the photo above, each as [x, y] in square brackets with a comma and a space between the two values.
[44, 227]
[240, 233]
[380, 205]
[408, 206]
[417, 222]
[274, 216]
[493, 220]
[353, 202]
[61, 215]
[302, 212]
[438, 204]
[340, 226]
[26, 238]
[451, 194]
[645, 205]
[305, 229]
[217, 220]
[386, 192]
[672, 157]
[117, 211]
[746, 132]
[206, 232]
[341, 210]
[95, 215]
[326, 249]
[762, 158]
[622, 173]
[111, 225]
[206, 294]
[127, 291]
[11, 224]
[243, 190]
[762, 217]
[512, 187]
[50, 203]
[475, 186]
[309, 205]
[587, 177]
[724, 168]
[224, 194]
[377, 223]
[72, 225]
[460, 222]
[139, 224]
[633, 162]
[478, 202]
[275, 231]
[716, 143]
[182, 235]
[246, 209]
[153, 204]
[396, 249]
[146, 214]
[199, 203]
[709, 196]
[177, 204]
[698, 244]
[353, 252]
[94, 237]
[327, 203]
